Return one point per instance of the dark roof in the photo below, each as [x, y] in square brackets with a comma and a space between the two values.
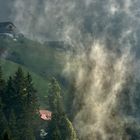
[3, 24]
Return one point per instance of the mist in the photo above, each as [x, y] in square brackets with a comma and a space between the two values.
[104, 35]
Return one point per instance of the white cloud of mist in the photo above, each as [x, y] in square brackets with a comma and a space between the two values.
[101, 81]
[41, 19]
[104, 36]
[106, 71]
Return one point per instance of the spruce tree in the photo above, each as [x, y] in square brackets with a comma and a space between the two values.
[3, 122]
[31, 97]
[12, 123]
[2, 84]
[18, 112]
[19, 91]
[27, 106]
[14, 99]
[9, 97]
[60, 128]
[31, 108]
[24, 100]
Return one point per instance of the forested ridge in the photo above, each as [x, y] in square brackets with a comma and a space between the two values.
[19, 110]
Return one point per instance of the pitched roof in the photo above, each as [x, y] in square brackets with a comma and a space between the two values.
[3, 24]
[45, 115]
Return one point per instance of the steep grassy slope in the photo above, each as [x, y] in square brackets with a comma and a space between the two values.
[42, 61]
[40, 83]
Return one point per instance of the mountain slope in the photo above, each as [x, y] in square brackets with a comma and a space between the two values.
[43, 61]
[40, 84]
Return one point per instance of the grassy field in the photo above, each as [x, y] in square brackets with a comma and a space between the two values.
[40, 83]
[42, 61]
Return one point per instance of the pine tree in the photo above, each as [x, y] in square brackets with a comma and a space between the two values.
[31, 98]
[12, 123]
[3, 122]
[19, 117]
[60, 128]
[23, 102]
[31, 108]
[9, 97]
[28, 106]
[2, 84]
[19, 91]
[14, 100]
